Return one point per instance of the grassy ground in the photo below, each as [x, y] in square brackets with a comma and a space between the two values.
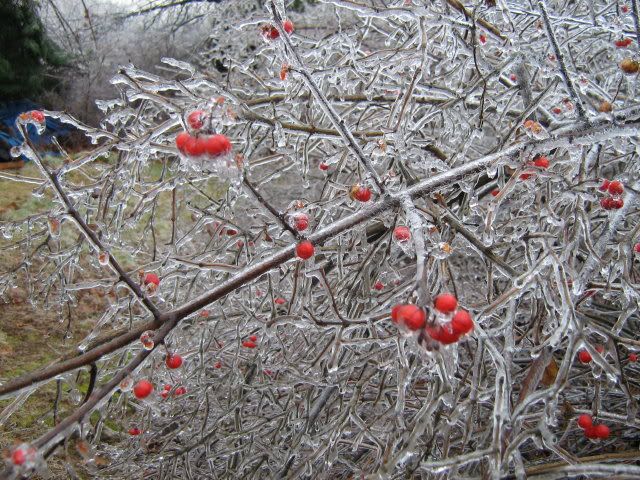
[31, 338]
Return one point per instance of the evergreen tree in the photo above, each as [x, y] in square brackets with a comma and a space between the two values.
[26, 53]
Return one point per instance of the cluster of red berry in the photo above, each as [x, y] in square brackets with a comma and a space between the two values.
[615, 189]
[623, 43]
[270, 32]
[460, 323]
[251, 342]
[177, 392]
[197, 146]
[414, 318]
[592, 431]
[539, 162]
[585, 357]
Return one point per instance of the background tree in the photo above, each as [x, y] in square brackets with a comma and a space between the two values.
[27, 54]
[383, 156]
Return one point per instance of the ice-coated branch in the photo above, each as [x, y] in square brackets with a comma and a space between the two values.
[338, 123]
[254, 271]
[566, 77]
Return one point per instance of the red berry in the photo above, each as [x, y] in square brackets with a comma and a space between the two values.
[143, 389]
[305, 250]
[636, 248]
[412, 316]
[513, 77]
[402, 233]
[360, 193]
[18, 456]
[617, 203]
[395, 311]
[541, 162]
[601, 431]
[483, 38]
[584, 356]
[556, 110]
[253, 338]
[526, 176]
[616, 188]
[167, 387]
[200, 147]
[462, 322]
[193, 147]
[625, 9]
[300, 221]
[590, 432]
[151, 278]
[280, 301]
[606, 203]
[283, 71]
[443, 334]
[445, 303]
[181, 141]
[378, 285]
[248, 344]
[585, 421]
[38, 116]
[270, 32]
[173, 361]
[633, 357]
[288, 26]
[323, 166]
[180, 391]
[215, 145]
[217, 365]
[605, 185]
[624, 43]
[195, 119]
[495, 192]
[134, 431]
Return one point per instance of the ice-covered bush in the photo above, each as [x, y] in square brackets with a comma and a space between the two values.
[417, 260]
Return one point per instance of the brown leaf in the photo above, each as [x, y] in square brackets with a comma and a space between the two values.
[550, 373]
[535, 373]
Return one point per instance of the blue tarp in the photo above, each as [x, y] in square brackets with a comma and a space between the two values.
[9, 136]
